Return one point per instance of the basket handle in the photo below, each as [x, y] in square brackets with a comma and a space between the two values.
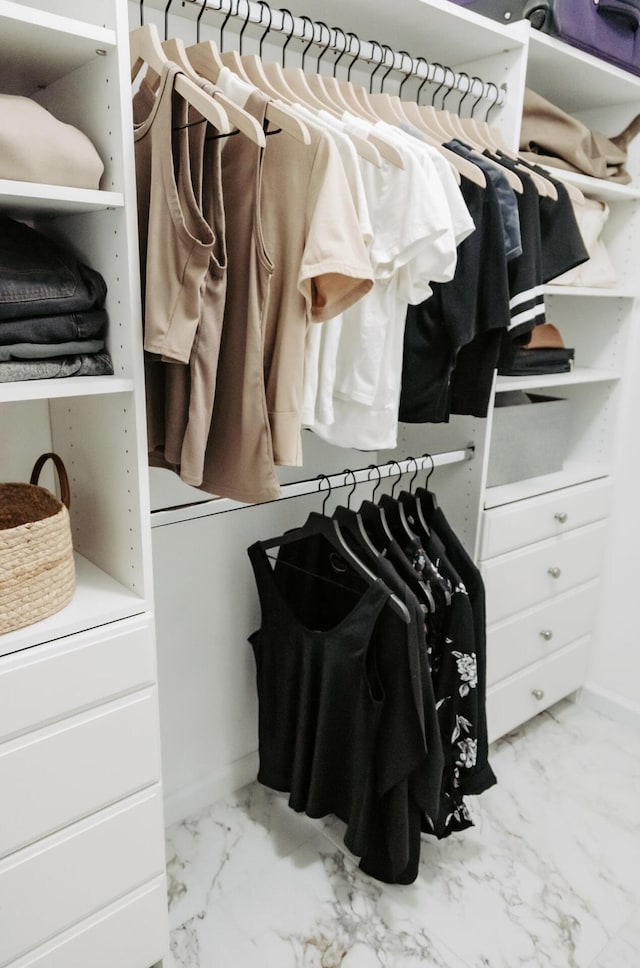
[65, 493]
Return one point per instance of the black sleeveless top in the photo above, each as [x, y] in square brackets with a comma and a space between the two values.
[320, 697]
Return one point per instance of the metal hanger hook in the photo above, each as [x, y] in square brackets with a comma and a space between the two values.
[198, 19]
[440, 86]
[224, 23]
[447, 71]
[244, 25]
[307, 20]
[374, 467]
[426, 77]
[322, 24]
[166, 18]
[291, 32]
[431, 469]
[398, 479]
[388, 71]
[321, 478]
[378, 66]
[413, 461]
[403, 54]
[465, 93]
[263, 3]
[357, 54]
[473, 80]
[344, 48]
[490, 85]
[348, 471]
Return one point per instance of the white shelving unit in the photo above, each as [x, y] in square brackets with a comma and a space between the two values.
[82, 847]
[558, 521]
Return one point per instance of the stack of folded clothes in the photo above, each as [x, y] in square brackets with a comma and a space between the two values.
[544, 353]
[52, 316]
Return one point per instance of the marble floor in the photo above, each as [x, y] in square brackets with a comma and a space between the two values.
[549, 877]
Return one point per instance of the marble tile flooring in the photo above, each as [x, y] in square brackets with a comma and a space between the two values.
[549, 877]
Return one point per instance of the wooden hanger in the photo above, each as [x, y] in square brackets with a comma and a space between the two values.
[205, 58]
[242, 120]
[391, 109]
[145, 48]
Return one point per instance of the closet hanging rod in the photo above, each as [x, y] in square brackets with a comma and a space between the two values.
[251, 11]
[205, 509]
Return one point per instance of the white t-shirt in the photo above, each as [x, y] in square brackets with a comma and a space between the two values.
[414, 243]
[321, 342]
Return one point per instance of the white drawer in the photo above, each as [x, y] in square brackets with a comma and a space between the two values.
[64, 772]
[539, 632]
[49, 682]
[129, 934]
[514, 700]
[524, 522]
[542, 572]
[47, 888]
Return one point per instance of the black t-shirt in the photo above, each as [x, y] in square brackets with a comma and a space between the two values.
[468, 308]
[552, 244]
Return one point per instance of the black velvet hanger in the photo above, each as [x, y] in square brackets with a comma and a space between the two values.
[319, 524]
[351, 519]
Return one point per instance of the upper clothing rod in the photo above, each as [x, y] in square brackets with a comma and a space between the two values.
[205, 509]
[330, 38]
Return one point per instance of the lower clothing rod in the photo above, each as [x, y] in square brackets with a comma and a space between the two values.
[312, 485]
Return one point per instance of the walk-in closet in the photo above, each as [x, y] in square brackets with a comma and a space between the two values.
[340, 362]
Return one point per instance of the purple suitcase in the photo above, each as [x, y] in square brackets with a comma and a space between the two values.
[608, 29]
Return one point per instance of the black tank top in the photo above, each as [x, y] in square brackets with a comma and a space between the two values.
[320, 698]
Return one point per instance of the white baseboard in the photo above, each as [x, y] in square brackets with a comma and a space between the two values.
[182, 803]
[610, 704]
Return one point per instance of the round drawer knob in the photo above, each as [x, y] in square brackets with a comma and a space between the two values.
[554, 572]
[561, 516]
[546, 634]
[537, 693]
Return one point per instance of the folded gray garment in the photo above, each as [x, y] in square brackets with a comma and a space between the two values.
[59, 328]
[88, 364]
[44, 351]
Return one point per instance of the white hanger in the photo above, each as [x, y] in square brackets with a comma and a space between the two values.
[242, 120]
[205, 58]
[145, 48]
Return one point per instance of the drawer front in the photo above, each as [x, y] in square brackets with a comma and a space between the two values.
[525, 522]
[542, 572]
[59, 774]
[49, 887]
[129, 934]
[515, 700]
[539, 632]
[50, 682]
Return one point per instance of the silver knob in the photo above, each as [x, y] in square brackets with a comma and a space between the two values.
[537, 693]
[561, 516]
[546, 634]
[554, 572]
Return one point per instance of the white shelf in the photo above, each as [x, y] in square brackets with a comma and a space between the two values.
[58, 45]
[98, 599]
[589, 293]
[597, 83]
[576, 376]
[532, 486]
[22, 199]
[609, 191]
[73, 386]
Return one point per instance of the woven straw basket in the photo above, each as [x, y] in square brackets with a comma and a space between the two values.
[37, 574]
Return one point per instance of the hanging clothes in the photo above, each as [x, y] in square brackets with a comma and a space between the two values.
[426, 744]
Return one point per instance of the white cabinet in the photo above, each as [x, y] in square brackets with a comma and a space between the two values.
[534, 618]
[81, 821]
